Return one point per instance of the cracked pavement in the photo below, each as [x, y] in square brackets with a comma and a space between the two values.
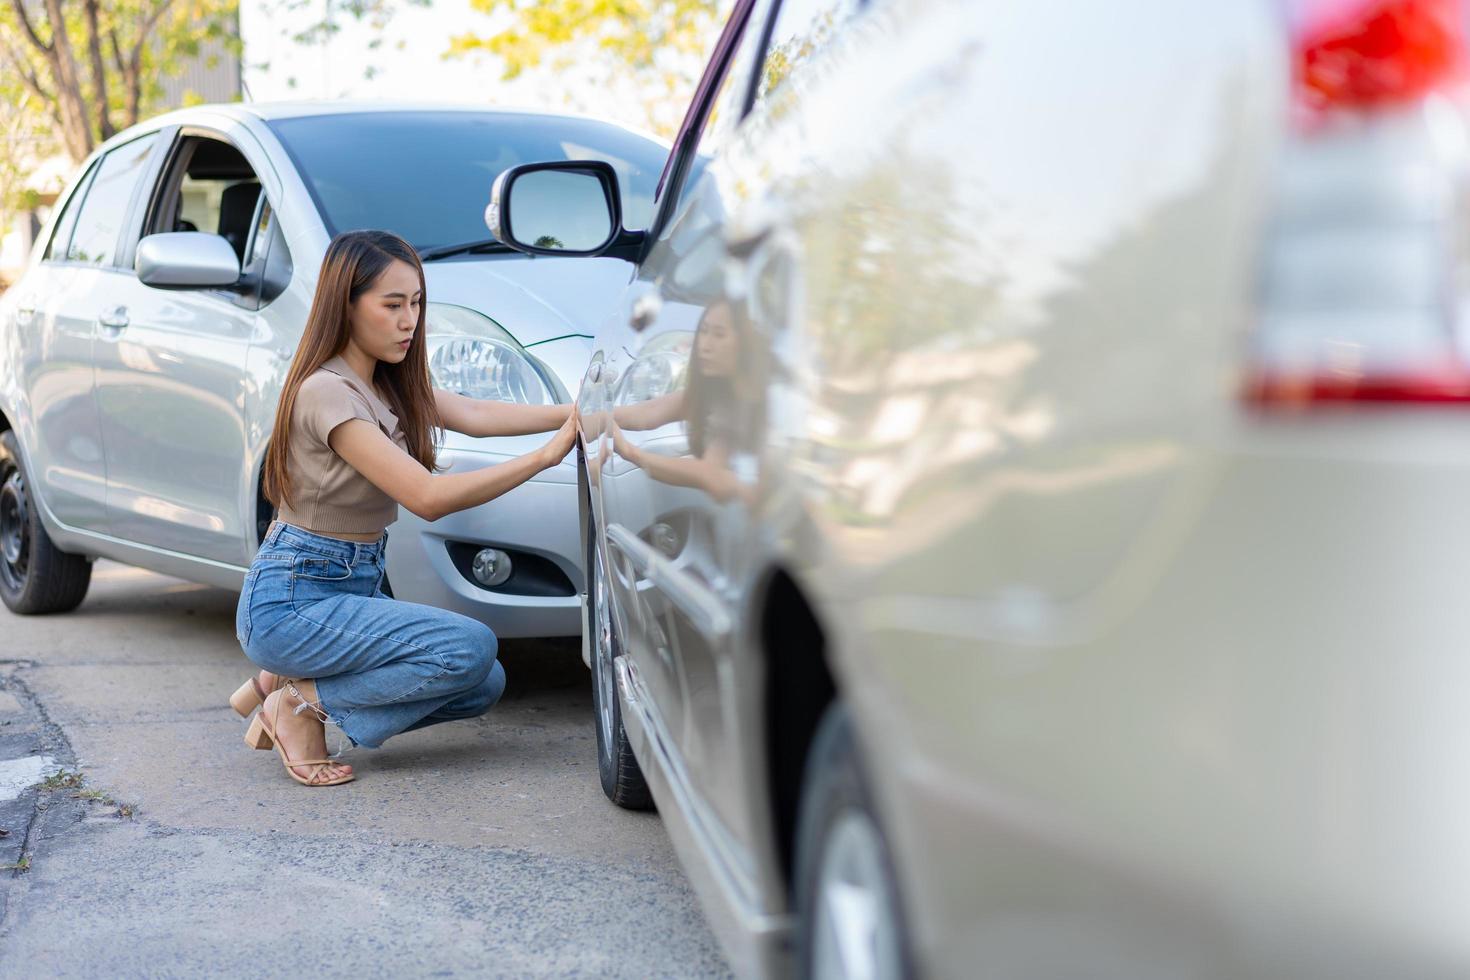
[479, 848]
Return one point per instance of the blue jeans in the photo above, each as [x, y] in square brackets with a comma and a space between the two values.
[311, 608]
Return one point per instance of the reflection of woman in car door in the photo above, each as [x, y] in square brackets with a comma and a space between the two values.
[717, 406]
[355, 439]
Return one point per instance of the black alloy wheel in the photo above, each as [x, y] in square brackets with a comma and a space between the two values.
[617, 768]
[35, 576]
[15, 536]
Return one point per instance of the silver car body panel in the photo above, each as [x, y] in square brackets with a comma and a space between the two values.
[188, 391]
[753, 939]
[537, 298]
[1146, 686]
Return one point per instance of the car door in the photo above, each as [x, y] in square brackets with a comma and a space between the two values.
[1016, 330]
[685, 416]
[171, 365]
[60, 315]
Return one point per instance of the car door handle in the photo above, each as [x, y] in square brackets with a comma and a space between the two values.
[645, 310]
[740, 244]
[25, 313]
[115, 318]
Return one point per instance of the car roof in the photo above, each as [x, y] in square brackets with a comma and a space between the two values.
[271, 111]
[310, 107]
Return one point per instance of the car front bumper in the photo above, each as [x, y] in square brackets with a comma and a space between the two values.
[538, 518]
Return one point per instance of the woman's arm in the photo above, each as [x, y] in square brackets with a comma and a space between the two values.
[429, 495]
[710, 473]
[650, 414]
[484, 417]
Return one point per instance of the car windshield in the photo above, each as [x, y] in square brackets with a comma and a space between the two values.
[426, 176]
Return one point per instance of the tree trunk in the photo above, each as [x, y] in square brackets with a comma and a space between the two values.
[131, 84]
[99, 73]
[133, 76]
[76, 133]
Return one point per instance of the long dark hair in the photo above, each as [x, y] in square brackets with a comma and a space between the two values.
[353, 263]
[705, 395]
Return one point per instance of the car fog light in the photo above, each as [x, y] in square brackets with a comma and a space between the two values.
[491, 567]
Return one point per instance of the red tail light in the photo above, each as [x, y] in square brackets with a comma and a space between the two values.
[1359, 54]
[1448, 386]
[1363, 295]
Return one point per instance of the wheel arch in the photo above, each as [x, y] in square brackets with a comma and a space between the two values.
[60, 533]
[798, 687]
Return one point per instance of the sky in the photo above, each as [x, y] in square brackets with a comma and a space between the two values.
[334, 68]
[278, 68]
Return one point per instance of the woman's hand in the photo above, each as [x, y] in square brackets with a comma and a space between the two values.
[562, 442]
[624, 448]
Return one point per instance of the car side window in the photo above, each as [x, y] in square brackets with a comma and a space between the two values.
[210, 188]
[61, 232]
[260, 237]
[801, 31]
[731, 100]
[729, 103]
[268, 264]
[94, 241]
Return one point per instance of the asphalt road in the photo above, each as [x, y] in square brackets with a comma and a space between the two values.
[157, 844]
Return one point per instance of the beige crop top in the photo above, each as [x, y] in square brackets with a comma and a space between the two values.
[327, 494]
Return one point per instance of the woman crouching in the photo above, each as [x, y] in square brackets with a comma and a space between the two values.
[354, 440]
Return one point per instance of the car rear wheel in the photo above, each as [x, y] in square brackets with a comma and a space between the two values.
[850, 923]
[622, 779]
[35, 576]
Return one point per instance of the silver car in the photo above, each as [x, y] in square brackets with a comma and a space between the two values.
[1026, 487]
[143, 350]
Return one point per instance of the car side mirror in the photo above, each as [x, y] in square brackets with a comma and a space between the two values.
[186, 260]
[570, 207]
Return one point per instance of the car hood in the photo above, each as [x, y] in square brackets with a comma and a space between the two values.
[534, 299]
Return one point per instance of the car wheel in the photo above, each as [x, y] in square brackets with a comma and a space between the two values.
[849, 919]
[265, 515]
[622, 779]
[35, 576]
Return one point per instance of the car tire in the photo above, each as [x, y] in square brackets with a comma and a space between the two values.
[617, 768]
[35, 576]
[843, 857]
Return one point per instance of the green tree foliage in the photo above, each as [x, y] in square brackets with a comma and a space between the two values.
[663, 43]
[23, 139]
[95, 67]
[634, 31]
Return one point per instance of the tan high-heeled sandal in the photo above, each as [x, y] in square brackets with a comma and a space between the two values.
[250, 695]
[262, 735]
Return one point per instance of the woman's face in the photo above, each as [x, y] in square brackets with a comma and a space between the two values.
[715, 346]
[384, 318]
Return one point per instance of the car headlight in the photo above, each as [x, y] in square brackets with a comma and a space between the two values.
[471, 354]
[659, 370]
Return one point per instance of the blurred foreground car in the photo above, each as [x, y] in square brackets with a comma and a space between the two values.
[139, 372]
[1026, 487]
